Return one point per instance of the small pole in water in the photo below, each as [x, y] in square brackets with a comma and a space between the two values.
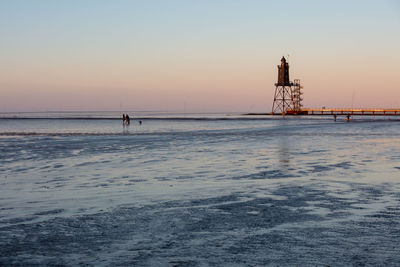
[334, 117]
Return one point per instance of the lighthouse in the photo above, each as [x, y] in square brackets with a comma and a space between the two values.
[287, 98]
[283, 74]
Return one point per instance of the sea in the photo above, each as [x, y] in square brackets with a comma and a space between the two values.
[180, 189]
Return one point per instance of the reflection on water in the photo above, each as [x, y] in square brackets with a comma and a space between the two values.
[284, 152]
[125, 129]
[283, 146]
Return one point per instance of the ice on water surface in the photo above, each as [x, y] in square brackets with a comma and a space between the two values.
[182, 191]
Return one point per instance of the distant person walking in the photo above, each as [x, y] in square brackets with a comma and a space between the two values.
[125, 119]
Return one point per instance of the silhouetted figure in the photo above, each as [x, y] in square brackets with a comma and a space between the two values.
[140, 122]
[348, 117]
[123, 119]
[334, 117]
[128, 120]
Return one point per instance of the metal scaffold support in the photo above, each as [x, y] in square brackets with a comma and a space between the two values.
[297, 98]
[282, 99]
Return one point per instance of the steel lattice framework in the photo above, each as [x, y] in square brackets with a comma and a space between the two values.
[283, 99]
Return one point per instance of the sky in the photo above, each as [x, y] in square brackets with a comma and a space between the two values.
[196, 56]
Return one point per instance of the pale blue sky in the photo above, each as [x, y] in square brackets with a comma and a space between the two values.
[212, 55]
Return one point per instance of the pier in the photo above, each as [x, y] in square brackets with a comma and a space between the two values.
[358, 112]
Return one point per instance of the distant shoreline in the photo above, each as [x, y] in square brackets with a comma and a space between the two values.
[244, 117]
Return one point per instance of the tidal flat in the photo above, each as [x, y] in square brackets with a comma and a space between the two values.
[198, 192]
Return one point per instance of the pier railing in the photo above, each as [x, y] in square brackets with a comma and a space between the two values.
[365, 112]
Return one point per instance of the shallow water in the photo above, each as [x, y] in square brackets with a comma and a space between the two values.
[219, 190]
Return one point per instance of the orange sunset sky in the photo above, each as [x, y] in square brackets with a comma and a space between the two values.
[199, 56]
